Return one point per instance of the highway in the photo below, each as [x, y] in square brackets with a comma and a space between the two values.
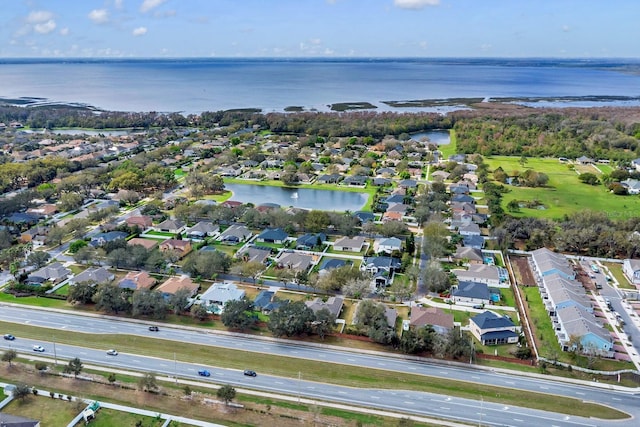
[409, 402]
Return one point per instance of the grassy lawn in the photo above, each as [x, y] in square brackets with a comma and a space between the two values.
[616, 271]
[451, 148]
[50, 412]
[35, 301]
[159, 234]
[63, 290]
[351, 376]
[546, 340]
[507, 297]
[222, 197]
[330, 250]
[110, 417]
[565, 194]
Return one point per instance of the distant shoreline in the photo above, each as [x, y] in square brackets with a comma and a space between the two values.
[443, 105]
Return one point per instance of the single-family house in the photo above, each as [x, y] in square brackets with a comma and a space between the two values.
[473, 241]
[491, 329]
[110, 236]
[330, 178]
[437, 318]
[310, 241]
[364, 217]
[333, 304]
[468, 255]
[136, 280]
[9, 420]
[355, 181]
[295, 261]
[254, 253]
[148, 244]
[174, 284]
[392, 216]
[330, 264]
[632, 185]
[180, 247]
[471, 293]
[45, 210]
[408, 183]
[174, 226]
[94, 276]
[54, 273]
[235, 234]
[472, 229]
[387, 245]
[349, 244]
[273, 235]
[481, 273]
[631, 269]
[203, 229]
[219, 294]
[141, 221]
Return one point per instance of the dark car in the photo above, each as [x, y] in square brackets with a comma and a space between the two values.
[9, 337]
[204, 373]
[250, 373]
[154, 328]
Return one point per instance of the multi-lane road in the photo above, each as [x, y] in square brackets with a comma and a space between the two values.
[410, 402]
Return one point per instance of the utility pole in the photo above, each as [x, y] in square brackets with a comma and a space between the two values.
[299, 384]
[55, 355]
[175, 367]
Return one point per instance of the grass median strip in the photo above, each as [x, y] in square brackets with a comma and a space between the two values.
[346, 375]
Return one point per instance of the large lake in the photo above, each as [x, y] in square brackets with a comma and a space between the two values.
[306, 198]
[438, 137]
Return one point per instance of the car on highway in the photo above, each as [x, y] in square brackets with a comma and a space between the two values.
[38, 348]
[112, 352]
[9, 337]
[250, 373]
[204, 373]
[154, 328]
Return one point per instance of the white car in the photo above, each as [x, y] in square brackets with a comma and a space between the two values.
[38, 348]
[112, 352]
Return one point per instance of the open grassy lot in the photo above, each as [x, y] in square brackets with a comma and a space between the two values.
[50, 412]
[565, 194]
[352, 376]
[616, 271]
[451, 148]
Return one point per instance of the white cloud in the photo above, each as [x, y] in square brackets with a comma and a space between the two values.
[315, 41]
[45, 27]
[147, 5]
[140, 31]
[64, 31]
[415, 4]
[117, 4]
[566, 28]
[99, 16]
[39, 16]
[423, 44]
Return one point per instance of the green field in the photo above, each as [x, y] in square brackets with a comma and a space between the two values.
[565, 194]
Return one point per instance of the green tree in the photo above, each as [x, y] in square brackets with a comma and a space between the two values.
[148, 382]
[324, 322]
[237, 314]
[226, 393]
[199, 312]
[55, 235]
[74, 367]
[316, 221]
[9, 356]
[179, 301]
[22, 391]
[112, 299]
[291, 319]
[589, 178]
[435, 278]
[38, 258]
[70, 202]
[81, 292]
[75, 246]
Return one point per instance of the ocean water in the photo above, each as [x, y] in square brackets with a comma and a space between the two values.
[196, 85]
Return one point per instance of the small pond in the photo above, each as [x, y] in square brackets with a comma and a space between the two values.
[305, 198]
[438, 137]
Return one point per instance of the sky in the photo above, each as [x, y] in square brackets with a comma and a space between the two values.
[319, 28]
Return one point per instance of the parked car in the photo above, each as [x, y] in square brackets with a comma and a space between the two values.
[204, 373]
[154, 328]
[112, 352]
[250, 373]
[38, 348]
[9, 337]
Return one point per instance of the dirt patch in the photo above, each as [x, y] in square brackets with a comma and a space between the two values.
[522, 271]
